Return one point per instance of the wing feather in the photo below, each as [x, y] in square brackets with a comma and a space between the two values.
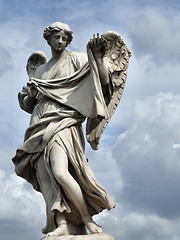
[34, 61]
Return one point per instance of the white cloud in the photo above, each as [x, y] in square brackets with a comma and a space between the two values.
[154, 34]
[148, 161]
[21, 206]
[124, 225]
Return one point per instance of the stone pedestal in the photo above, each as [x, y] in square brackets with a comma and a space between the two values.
[96, 236]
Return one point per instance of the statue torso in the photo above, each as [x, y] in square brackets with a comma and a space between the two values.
[63, 67]
[52, 70]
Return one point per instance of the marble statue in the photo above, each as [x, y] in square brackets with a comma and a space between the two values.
[61, 93]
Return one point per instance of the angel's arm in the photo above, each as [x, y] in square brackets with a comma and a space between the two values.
[97, 46]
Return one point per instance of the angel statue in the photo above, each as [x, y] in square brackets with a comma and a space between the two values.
[61, 93]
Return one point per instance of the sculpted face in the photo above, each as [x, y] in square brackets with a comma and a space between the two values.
[58, 40]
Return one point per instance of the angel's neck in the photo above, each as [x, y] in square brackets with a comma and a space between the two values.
[57, 55]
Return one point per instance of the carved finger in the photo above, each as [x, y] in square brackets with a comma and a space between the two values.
[90, 43]
[98, 39]
[95, 41]
[25, 89]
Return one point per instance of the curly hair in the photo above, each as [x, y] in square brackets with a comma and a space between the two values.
[58, 26]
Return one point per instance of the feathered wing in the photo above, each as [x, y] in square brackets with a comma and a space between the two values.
[116, 58]
[34, 61]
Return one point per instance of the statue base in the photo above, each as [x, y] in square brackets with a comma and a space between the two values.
[95, 236]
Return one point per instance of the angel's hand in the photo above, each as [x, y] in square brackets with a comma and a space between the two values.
[31, 90]
[22, 94]
[24, 91]
[97, 44]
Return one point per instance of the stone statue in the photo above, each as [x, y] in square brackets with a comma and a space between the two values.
[60, 94]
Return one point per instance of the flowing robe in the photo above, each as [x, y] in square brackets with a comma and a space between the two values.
[63, 103]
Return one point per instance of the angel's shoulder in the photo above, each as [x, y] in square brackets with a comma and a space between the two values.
[79, 58]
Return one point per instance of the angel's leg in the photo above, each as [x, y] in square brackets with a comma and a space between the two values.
[59, 164]
[45, 185]
[62, 228]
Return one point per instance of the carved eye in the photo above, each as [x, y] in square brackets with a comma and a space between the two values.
[55, 37]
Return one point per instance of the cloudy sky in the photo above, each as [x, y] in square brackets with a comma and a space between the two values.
[139, 157]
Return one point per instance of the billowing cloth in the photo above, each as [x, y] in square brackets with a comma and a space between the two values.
[62, 105]
[81, 91]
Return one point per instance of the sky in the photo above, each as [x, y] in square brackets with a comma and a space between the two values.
[138, 161]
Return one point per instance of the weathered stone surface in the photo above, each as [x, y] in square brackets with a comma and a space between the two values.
[98, 236]
[60, 94]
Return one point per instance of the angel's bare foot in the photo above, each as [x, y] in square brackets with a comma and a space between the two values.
[59, 231]
[92, 226]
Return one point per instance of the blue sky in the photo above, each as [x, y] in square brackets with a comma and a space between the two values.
[139, 157]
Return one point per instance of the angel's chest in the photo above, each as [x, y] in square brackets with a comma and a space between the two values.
[59, 70]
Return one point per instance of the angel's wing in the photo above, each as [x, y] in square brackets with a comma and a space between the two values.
[34, 61]
[116, 58]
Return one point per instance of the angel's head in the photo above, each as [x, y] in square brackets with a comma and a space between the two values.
[58, 27]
